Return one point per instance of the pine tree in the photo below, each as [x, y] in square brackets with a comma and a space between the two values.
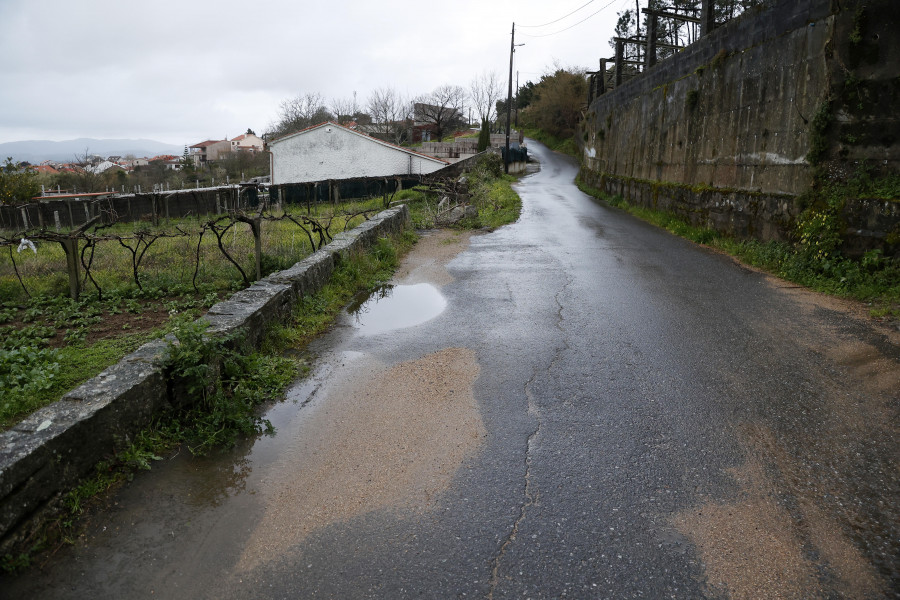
[484, 136]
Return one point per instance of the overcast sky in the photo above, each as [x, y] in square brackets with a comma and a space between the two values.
[184, 71]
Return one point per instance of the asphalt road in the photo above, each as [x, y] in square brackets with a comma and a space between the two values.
[601, 410]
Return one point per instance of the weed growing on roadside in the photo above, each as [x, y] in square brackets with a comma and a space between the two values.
[363, 273]
[564, 145]
[815, 262]
[490, 192]
[226, 384]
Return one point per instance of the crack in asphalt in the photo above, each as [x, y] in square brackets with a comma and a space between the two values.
[559, 321]
[530, 494]
[531, 497]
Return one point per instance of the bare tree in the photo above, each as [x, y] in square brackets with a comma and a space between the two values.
[390, 112]
[441, 110]
[343, 109]
[485, 90]
[300, 112]
[87, 177]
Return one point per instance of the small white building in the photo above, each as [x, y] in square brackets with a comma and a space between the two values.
[103, 167]
[330, 151]
[248, 142]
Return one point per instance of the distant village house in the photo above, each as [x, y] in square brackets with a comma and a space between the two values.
[248, 142]
[208, 151]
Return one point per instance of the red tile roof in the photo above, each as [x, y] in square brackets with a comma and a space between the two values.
[207, 143]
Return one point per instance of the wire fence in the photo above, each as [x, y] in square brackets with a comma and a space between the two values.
[226, 251]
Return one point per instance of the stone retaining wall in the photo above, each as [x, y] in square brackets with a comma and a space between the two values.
[42, 457]
[791, 94]
[747, 214]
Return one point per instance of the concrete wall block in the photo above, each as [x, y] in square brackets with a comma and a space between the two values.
[749, 127]
[307, 276]
[250, 309]
[340, 247]
[730, 114]
[60, 443]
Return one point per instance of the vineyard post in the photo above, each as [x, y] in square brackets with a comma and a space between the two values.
[70, 245]
[256, 227]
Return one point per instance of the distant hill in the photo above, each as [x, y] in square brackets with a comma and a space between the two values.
[36, 151]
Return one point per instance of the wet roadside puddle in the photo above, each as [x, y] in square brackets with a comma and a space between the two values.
[393, 307]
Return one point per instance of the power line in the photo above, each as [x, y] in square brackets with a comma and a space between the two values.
[573, 25]
[561, 18]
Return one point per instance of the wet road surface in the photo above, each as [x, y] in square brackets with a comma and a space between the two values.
[592, 409]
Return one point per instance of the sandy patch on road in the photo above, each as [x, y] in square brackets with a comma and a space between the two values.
[755, 547]
[427, 263]
[747, 545]
[383, 438]
[812, 488]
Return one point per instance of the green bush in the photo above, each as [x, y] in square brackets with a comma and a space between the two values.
[819, 233]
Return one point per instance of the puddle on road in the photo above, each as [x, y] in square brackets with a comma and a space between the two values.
[396, 307]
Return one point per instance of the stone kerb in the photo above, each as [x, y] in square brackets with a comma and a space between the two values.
[48, 452]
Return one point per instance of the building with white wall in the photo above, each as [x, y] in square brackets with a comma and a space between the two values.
[248, 142]
[330, 151]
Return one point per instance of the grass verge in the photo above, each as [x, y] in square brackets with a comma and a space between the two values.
[564, 145]
[873, 279]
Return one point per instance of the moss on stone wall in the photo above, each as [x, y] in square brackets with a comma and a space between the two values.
[819, 142]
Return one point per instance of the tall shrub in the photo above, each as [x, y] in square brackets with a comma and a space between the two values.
[484, 136]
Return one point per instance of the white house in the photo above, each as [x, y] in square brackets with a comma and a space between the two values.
[330, 151]
[248, 142]
[103, 167]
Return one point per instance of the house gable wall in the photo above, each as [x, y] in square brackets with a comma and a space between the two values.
[330, 152]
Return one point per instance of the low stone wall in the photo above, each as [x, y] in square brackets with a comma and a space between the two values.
[454, 149]
[47, 453]
[747, 214]
[459, 167]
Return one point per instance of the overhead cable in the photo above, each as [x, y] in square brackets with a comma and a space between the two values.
[561, 18]
[573, 25]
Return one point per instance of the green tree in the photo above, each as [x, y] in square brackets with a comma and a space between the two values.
[17, 184]
[557, 102]
[484, 136]
[521, 101]
[187, 162]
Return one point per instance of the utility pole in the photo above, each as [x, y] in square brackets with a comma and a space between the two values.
[512, 49]
[637, 18]
[517, 99]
